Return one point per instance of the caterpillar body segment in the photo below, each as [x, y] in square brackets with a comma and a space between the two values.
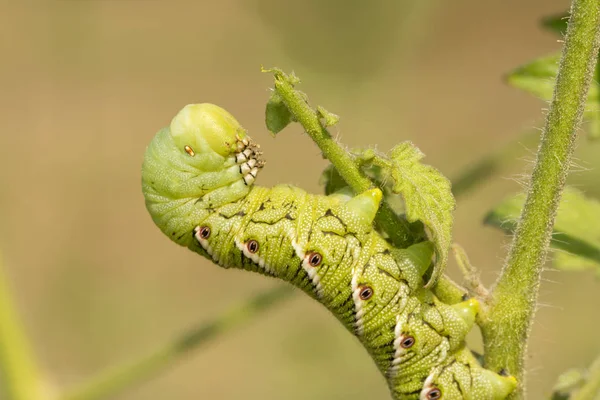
[197, 180]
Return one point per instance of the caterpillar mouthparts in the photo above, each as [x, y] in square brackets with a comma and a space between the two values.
[248, 157]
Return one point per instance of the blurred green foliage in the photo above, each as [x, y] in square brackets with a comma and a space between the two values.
[538, 76]
[576, 230]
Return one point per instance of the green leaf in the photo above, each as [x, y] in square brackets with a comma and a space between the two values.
[418, 191]
[576, 230]
[427, 198]
[332, 180]
[277, 115]
[399, 231]
[329, 117]
[556, 23]
[537, 78]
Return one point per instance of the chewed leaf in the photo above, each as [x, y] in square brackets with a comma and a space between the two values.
[332, 180]
[329, 118]
[538, 78]
[418, 191]
[576, 229]
[277, 115]
[427, 198]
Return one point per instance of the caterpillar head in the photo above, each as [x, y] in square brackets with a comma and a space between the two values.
[211, 139]
[205, 128]
[202, 160]
[463, 378]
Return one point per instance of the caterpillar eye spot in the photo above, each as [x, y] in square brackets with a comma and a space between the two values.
[407, 342]
[315, 259]
[189, 150]
[252, 246]
[366, 292]
[434, 394]
[204, 232]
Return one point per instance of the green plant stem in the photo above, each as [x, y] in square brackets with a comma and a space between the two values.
[469, 272]
[591, 388]
[19, 374]
[449, 291]
[397, 228]
[514, 297]
[123, 377]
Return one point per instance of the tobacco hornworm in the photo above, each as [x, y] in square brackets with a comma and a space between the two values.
[197, 180]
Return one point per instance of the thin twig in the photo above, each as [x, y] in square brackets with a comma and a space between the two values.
[397, 228]
[18, 371]
[120, 378]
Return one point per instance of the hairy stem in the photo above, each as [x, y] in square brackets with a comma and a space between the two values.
[123, 377]
[18, 372]
[514, 297]
[397, 228]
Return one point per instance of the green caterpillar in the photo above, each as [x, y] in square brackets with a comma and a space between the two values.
[197, 180]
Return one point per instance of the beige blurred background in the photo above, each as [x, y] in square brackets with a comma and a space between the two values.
[85, 85]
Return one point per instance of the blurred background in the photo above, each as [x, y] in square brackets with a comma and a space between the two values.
[85, 85]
